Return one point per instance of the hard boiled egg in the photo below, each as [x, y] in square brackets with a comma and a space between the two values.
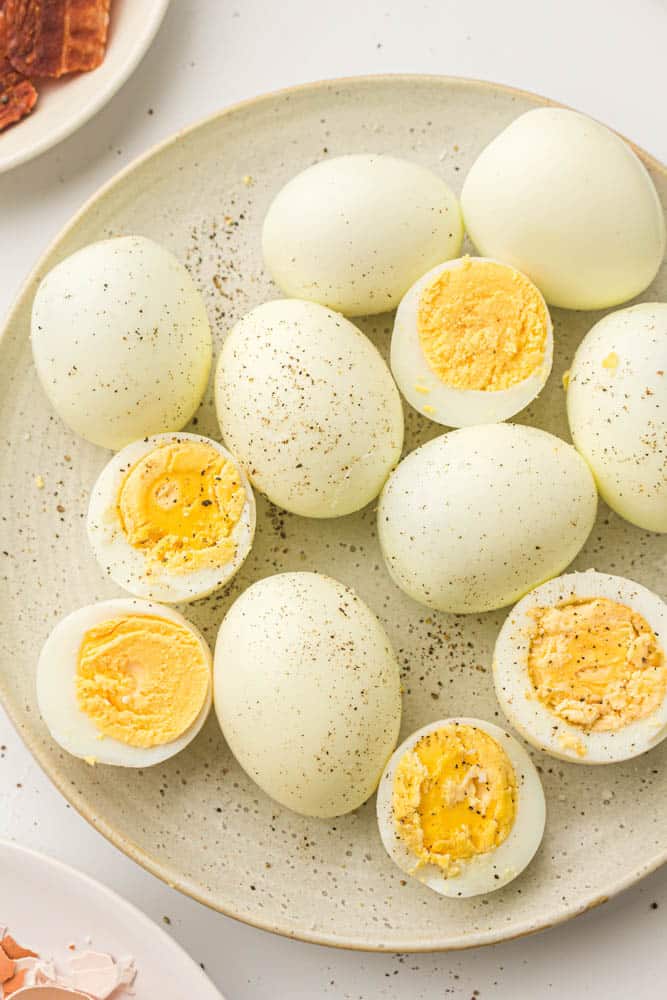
[121, 341]
[580, 669]
[461, 807]
[171, 517]
[124, 682]
[472, 520]
[617, 408]
[307, 692]
[565, 200]
[309, 407]
[354, 232]
[472, 342]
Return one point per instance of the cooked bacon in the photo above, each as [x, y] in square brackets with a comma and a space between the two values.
[53, 37]
[17, 95]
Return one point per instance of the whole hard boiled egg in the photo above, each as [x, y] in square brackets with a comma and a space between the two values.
[580, 669]
[568, 202]
[309, 407]
[307, 692]
[124, 682]
[354, 232]
[475, 518]
[617, 409]
[460, 807]
[171, 517]
[121, 341]
[472, 342]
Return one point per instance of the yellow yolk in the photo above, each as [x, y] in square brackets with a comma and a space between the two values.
[142, 680]
[454, 797]
[596, 664]
[482, 326]
[611, 361]
[180, 504]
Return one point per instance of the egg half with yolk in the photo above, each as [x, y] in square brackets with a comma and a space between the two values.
[460, 807]
[171, 517]
[124, 682]
[580, 668]
[472, 342]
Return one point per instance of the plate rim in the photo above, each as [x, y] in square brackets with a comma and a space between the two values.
[80, 118]
[77, 800]
[115, 900]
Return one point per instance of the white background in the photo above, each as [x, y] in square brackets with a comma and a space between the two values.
[605, 57]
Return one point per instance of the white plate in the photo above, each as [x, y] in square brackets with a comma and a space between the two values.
[47, 905]
[65, 105]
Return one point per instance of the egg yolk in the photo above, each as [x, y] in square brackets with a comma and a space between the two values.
[180, 503]
[596, 663]
[454, 797]
[482, 326]
[142, 680]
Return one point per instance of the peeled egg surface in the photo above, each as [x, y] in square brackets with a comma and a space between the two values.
[565, 200]
[474, 349]
[307, 692]
[474, 519]
[476, 815]
[309, 407]
[148, 676]
[121, 341]
[354, 232]
[617, 409]
[171, 517]
[579, 668]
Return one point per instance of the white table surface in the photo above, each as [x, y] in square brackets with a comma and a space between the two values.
[605, 57]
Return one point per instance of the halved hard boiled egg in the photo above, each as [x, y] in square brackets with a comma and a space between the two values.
[124, 682]
[461, 807]
[171, 517]
[580, 669]
[472, 342]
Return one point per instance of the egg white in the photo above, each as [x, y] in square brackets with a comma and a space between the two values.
[446, 404]
[307, 692]
[353, 232]
[618, 412]
[536, 723]
[56, 687]
[129, 567]
[568, 202]
[309, 406]
[485, 872]
[473, 519]
[121, 341]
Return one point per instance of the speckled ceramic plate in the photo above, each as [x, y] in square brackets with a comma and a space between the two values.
[198, 822]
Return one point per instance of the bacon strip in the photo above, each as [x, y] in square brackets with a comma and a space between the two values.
[53, 37]
[17, 95]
